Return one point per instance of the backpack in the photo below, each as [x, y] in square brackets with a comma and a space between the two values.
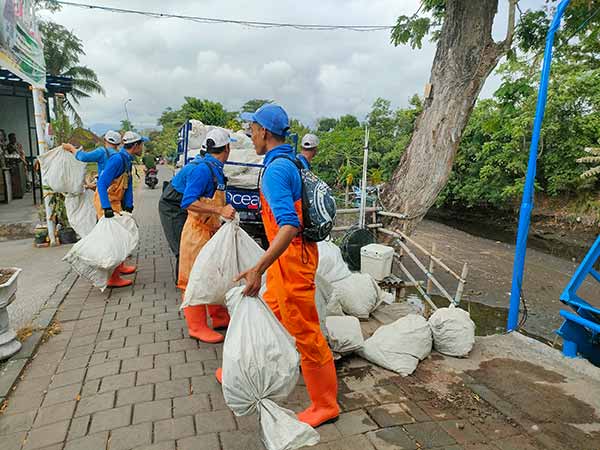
[318, 204]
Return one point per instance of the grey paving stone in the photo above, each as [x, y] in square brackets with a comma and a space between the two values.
[390, 415]
[190, 404]
[354, 422]
[13, 441]
[215, 421]
[247, 423]
[73, 363]
[24, 402]
[167, 335]
[187, 370]
[429, 434]
[123, 353]
[217, 401]
[67, 378]
[141, 320]
[62, 394]
[92, 442]
[113, 324]
[79, 427]
[48, 435]
[462, 431]
[360, 442]
[9, 373]
[180, 345]
[54, 413]
[130, 437]
[139, 363]
[154, 349]
[393, 438]
[165, 445]
[129, 313]
[206, 384]
[98, 358]
[95, 403]
[126, 332]
[137, 394]
[29, 346]
[171, 389]
[153, 327]
[111, 419]
[158, 375]
[152, 411]
[241, 440]
[178, 428]
[115, 382]
[200, 354]
[110, 344]
[12, 423]
[102, 370]
[92, 312]
[90, 387]
[204, 442]
[145, 338]
[169, 359]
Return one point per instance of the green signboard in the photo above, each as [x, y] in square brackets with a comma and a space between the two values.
[21, 49]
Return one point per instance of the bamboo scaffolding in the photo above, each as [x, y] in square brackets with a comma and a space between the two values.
[417, 285]
[461, 284]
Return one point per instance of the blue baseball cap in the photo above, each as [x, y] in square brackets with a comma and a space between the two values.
[270, 116]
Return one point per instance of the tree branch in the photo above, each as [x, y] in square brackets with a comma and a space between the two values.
[510, 29]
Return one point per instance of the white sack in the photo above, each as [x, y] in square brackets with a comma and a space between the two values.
[344, 334]
[81, 212]
[453, 331]
[323, 294]
[62, 172]
[359, 295]
[197, 134]
[110, 242]
[241, 176]
[332, 266]
[229, 252]
[260, 366]
[400, 345]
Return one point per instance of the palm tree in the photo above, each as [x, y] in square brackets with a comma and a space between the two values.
[62, 50]
[594, 159]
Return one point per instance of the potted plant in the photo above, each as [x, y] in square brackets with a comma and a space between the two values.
[66, 234]
[9, 345]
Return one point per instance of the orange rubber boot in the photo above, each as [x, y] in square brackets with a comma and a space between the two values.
[321, 383]
[126, 270]
[219, 316]
[116, 281]
[219, 375]
[195, 317]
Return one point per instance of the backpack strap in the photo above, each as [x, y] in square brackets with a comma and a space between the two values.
[212, 171]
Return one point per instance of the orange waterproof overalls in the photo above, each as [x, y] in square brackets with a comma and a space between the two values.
[197, 231]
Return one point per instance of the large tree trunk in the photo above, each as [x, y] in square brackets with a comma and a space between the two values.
[466, 54]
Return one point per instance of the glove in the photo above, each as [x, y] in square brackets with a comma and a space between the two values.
[129, 210]
[108, 213]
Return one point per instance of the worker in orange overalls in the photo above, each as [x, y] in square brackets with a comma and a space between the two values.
[290, 263]
[204, 200]
[114, 192]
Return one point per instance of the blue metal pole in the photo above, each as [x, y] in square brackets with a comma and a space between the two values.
[527, 202]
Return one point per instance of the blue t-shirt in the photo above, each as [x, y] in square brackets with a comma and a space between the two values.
[282, 185]
[304, 161]
[99, 156]
[179, 181]
[117, 165]
[200, 180]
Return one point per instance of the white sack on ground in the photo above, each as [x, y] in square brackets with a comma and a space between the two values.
[229, 252]
[332, 266]
[359, 295]
[260, 366]
[62, 172]
[110, 242]
[344, 334]
[400, 345]
[453, 331]
[81, 212]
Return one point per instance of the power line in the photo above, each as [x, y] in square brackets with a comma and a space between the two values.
[247, 23]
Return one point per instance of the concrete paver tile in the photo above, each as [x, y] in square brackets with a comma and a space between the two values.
[393, 438]
[169, 359]
[187, 370]
[111, 419]
[151, 376]
[102, 370]
[351, 443]
[48, 435]
[110, 344]
[95, 403]
[139, 339]
[154, 349]
[429, 434]
[179, 345]
[164, 445]
[79, 427]
[168, 335]
[241, 440]
[115, 382]
[355, 422]
[462, 431]
[12, 423]
[123, 353]
[92, 442]
[152, 411]
[217, 401]
[54, 413]
[515, 443]
[139, 363]
[206, 384]
[154, 327]
[126, 332]
[13, 441]
[67, 378]
[215, 421]
[90, 387]
[62, 394]
[73, 363]
[178, 428]
[247, 423]
[171, 389]
[201, 354]
[190, 404]
[390, 415]
[328, 432]
[130, 437]
[136, 394]
[204, 442]
[23, 402]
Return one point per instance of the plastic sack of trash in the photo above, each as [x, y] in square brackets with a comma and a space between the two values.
[260, 367]
[81, 212]
[229, 252]
[110, 242]
[400, 345]
[331, 266]
[453, 331]
[61, 172]
[359, 295]
[344, 334]
[323, 294]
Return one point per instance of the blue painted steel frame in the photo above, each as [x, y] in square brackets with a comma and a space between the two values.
[527, 202]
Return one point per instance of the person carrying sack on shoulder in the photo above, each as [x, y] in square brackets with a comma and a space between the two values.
[290, 262]
[100, 155]
[115, 193]
[204, 200]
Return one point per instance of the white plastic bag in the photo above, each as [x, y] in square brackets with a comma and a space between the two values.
[344, 334]
[81, 212]
[453, 331]
[230, 251]
[400, 345]
[110, 242]
[359, 295]
[332, 266]
[62, 172]
[260, 366]
[323, 293]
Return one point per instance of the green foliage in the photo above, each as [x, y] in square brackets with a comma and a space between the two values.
[126, 125]
[412, 30]
[253, 105]
[326, 124]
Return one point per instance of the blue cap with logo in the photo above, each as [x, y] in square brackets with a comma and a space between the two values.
[270, 116]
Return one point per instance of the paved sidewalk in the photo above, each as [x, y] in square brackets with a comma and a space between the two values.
[124, 375]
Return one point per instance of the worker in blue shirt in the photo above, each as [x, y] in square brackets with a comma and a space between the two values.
[204, 200]
[115, 192]
[309, 145]
[172, 215]
[112, 141]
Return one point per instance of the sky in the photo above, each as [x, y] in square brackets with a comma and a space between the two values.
[313, 74]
